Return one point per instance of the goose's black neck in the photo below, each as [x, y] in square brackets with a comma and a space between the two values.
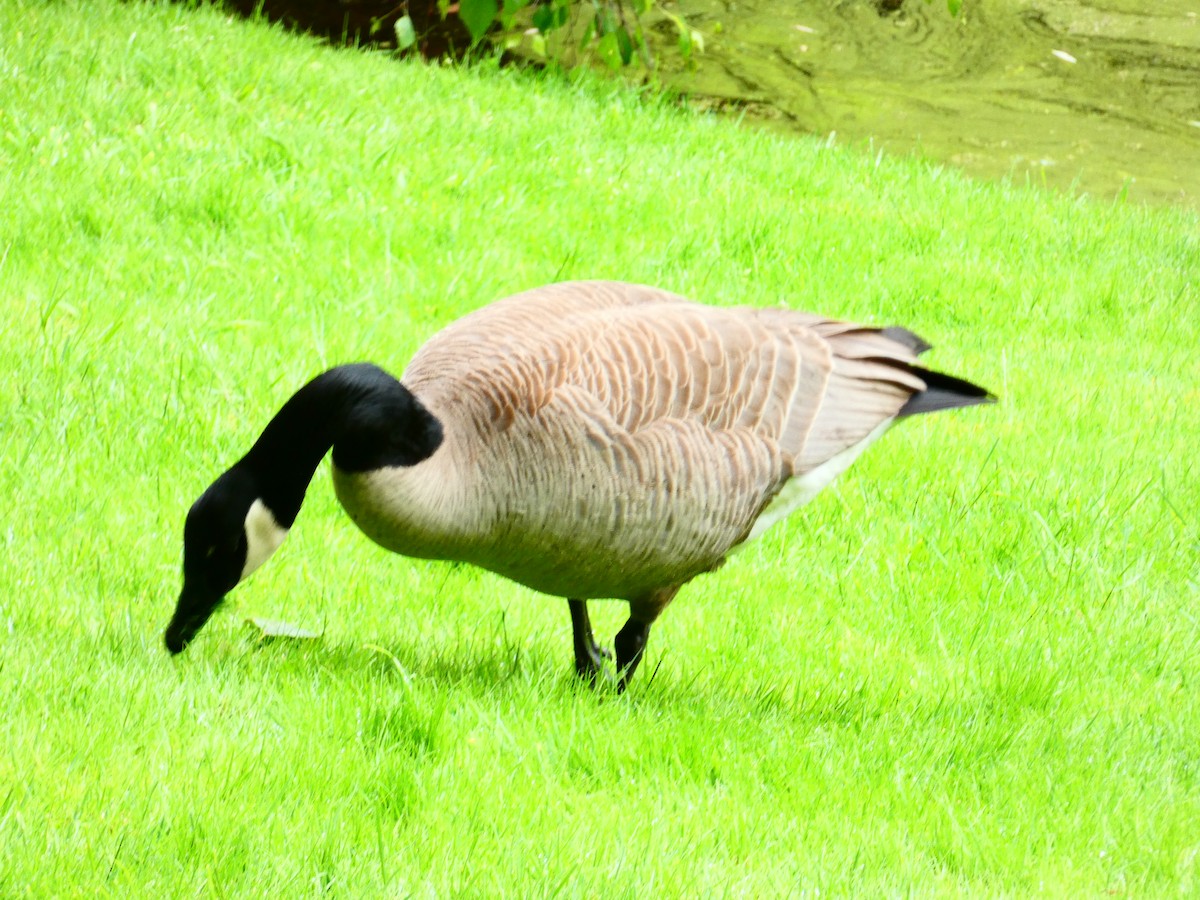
[369, 419]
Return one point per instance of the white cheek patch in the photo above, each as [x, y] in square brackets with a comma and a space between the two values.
[263, 537]
[800, 490]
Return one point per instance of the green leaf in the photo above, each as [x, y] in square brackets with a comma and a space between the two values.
[589, 33]
[685, 45]
[478, 16]
[508, 13]
[547, 18]
[406, 35]
[954, 6]
[608, 51]
[624, 44]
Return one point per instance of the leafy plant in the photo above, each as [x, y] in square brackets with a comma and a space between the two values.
[611, 30]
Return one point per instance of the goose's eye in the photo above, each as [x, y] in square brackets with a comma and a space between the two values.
[225, 548]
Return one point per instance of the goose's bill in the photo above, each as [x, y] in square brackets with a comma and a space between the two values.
[194, 609]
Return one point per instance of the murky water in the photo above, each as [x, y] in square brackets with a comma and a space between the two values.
[1095, 96]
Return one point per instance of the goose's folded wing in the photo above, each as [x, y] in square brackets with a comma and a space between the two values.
[811, 386]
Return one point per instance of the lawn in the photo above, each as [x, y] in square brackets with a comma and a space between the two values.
[968, 669]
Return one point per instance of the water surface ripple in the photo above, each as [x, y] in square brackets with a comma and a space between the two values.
[1094, 96]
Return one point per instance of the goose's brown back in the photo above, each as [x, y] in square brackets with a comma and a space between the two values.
[609, 440]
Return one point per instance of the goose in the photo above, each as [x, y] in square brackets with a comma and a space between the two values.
[589, 440]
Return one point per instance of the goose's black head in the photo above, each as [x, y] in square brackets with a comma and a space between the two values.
[370, 420]
[229, 532]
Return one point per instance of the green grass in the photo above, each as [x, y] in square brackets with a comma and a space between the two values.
[969, 669]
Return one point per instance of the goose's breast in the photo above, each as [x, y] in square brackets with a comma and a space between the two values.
[411, 510]
[583, 510]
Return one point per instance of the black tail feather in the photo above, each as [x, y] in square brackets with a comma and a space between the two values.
[913, 342]
[943, 392]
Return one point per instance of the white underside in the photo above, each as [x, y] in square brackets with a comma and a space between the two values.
[263, 537]
[803, 488]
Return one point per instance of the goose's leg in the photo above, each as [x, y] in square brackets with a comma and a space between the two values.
[589, 656]
[631, 639]
[630, 642]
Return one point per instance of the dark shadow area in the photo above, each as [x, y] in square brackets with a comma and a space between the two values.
[364, 22]
[482, 668]
[479, 666]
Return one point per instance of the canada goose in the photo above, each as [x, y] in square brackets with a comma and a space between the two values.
[587, 439]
